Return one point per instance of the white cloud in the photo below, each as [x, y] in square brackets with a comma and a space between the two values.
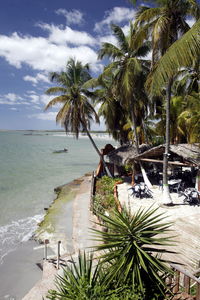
[108, 39]
[10, 99]
[40, 53]
[66, 35]
[190, 22]
[117, 15]
[73, 16]
[49, 116]
[40, 77]
[13, 108]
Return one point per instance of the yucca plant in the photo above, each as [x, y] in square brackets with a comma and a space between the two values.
[81, 280]
[132, 248]
[84, 280]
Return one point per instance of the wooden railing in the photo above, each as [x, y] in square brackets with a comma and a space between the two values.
[92, 191]
[184, 281]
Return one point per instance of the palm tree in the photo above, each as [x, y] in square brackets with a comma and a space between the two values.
[114, 114]
[189, 118]
[132, 247]
[166, 22]
[128, 70]
[76, 111]
[182, 53]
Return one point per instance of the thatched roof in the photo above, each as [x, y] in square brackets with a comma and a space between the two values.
[186, 153]
[121, 155]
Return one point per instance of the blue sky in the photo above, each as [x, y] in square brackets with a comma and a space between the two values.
[39, 36]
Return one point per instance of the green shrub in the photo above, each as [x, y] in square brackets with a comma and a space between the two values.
[104, 197]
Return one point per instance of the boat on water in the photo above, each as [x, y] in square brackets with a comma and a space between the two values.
[61, 151]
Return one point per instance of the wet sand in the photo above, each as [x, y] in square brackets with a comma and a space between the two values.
[19, 271]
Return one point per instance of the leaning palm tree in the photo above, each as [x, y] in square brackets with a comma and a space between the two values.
[165, 24]
[76, 111]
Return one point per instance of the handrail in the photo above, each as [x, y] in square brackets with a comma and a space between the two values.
[185, 272]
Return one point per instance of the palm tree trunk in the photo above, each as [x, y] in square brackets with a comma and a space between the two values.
[97, 150]
[166, 194]
[136, 142]
[146, 180]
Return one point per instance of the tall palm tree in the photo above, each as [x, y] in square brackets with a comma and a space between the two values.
[128, 71]
[76, 111]
[166, 23]
[115, 116]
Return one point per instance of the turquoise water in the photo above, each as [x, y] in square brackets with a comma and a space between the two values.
[29, 172]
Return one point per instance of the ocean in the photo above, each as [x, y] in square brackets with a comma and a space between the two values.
[29, 172]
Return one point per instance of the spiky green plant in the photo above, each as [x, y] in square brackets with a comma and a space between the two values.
[81, 280]
[132, 249]
[84, 280]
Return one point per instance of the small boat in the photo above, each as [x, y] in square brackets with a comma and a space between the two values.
[61, 151]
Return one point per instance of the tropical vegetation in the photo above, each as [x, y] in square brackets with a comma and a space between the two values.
[142, 101]
[128, 263]
[104, 200]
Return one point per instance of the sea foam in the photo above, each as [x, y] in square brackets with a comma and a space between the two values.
[11, 235]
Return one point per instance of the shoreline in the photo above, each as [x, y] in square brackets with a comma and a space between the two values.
[83, 220]
[21, 265]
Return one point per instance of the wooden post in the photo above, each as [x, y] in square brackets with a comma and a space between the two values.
[187, 284]
[176, 282]
[198, 292]
[58, 255]
[133, 174]
[198, 180]
[46, 242]
[169, 285]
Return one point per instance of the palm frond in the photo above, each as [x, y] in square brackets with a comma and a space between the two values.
[182, 53]
[56, 90]
[146, 14]
[110, 51]
[57, 100]
[92, 83]
[121, 38]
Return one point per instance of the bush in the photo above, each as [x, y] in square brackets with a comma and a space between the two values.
[104, 197]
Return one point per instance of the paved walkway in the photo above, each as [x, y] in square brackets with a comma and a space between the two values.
[82, 221]
[185, 219]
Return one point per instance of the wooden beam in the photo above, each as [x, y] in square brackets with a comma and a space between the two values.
[177, 163]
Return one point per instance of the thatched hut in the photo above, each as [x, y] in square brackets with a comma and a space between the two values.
[122, 155]
[180, 155]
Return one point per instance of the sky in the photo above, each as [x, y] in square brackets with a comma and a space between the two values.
[38, 37]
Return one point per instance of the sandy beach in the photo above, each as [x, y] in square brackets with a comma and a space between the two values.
[20, 272]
